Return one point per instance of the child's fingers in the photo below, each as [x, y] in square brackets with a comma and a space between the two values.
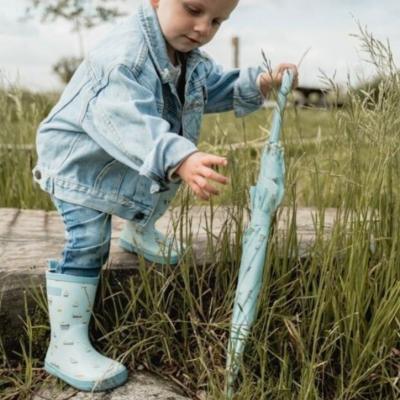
[210, 174]
[211, 159]
[199, 192]
[197, 172]
[293, 68]
[204, 189]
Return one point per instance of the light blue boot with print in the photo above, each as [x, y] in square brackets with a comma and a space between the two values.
[70, 356]
[147, 240]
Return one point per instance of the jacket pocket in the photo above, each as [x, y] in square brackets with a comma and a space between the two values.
[110, 177]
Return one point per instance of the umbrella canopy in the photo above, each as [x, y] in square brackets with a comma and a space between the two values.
[265, 198]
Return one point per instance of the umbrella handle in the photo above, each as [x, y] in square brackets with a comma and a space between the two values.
[285, 88]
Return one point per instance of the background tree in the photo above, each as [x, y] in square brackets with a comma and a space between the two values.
[81, 14]
[66, 67]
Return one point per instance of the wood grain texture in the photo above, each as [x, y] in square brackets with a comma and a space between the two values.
[29, 237]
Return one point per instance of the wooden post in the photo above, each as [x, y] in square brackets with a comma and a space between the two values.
[235, 44]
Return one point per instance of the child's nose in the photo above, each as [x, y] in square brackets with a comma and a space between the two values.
[203, 26]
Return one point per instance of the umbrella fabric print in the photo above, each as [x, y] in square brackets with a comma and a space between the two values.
[265, 198]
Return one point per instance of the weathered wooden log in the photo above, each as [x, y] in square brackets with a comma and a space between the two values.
[29, 237]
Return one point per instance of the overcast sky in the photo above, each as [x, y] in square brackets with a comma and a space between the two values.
[284, 29]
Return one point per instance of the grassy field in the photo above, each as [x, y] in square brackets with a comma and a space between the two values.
[20, 115]
[239, 139]
[327, 325]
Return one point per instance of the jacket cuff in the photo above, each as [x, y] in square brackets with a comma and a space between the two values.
[159, 163]
[247, 96]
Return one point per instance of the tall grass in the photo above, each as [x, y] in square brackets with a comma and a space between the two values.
[328, 320]
[20, 115]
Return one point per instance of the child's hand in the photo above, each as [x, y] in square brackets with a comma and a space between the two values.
[273, 79]
[196, 171]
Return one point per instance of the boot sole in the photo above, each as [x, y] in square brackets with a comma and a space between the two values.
[89, 386]
[130, 248]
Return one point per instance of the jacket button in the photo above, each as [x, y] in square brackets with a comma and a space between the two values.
[139, 215]
[38, 175]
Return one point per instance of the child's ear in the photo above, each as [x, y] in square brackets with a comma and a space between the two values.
[154, 3]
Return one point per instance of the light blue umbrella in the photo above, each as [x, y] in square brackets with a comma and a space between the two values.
[265, 198]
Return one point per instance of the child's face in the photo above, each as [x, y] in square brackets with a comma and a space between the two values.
[188, 24]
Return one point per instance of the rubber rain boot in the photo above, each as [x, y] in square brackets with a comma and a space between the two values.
[148, 241]
[71, 356]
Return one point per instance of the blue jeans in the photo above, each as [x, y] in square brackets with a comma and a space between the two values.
[87, 240]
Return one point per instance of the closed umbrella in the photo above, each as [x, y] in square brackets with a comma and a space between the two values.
[265, 198]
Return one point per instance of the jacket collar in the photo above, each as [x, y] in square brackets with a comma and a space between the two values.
[156, 42]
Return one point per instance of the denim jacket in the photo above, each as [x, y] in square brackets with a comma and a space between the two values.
[111, 139]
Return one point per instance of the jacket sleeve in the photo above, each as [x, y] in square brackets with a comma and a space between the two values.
[234, 89]
[123, 118]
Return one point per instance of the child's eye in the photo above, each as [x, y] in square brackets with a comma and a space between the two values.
[192, 10]
[216, 22]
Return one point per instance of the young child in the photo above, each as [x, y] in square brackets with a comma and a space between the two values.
[119, 141]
